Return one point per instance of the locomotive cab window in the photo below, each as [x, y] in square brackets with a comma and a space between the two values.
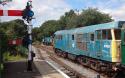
[117, 33]
[109, 36]
[104, 34]
[72, 37]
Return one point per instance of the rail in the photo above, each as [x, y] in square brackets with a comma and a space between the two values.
[65, 68]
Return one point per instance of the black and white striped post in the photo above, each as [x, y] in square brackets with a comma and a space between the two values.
[27, 15]
[30, 57]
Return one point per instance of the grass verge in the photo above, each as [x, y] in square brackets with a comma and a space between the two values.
[8, 57]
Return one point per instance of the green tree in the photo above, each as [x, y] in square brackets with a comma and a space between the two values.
[10, 30]
[36, 31]
[69, 20]
[15, 28]
[92, 16]
[49, 27]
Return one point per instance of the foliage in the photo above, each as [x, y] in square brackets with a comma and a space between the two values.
[93, 16]
[14, 29]
[8, 57]
[70, 20]
[36, 33]
[1, 66]
[10, 30]
[47, 29]
[20, 53]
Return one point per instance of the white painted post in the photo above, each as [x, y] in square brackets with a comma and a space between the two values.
[30, 58]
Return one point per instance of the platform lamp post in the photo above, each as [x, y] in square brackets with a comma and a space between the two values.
[28, 16]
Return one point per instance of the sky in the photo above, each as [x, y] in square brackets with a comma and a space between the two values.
[52, 9]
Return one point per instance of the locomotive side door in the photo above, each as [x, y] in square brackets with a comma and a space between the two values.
[98, 44]
[68, 42]
[123, 46]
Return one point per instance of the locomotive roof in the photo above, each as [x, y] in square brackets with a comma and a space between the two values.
[92, 28]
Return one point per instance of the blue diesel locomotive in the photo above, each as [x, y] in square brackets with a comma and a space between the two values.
[101, 46]
[47, 41]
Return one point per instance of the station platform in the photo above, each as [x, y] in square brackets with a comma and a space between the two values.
[41, 69]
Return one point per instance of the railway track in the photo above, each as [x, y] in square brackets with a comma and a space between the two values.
[120, 74]
[66, 69]
[69, 69]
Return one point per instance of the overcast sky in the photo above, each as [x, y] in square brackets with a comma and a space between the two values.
[52, 9]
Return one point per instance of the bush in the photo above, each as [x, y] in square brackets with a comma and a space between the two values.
[16, 54]
[8, 57]
[22, 51]
[1, 67]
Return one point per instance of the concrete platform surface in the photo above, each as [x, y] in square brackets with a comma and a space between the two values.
[40, 70]
[46, 70]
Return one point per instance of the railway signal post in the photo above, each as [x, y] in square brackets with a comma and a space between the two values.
[30, 58]
[27, 15]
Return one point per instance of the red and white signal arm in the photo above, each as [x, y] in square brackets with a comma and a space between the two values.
[11, 12]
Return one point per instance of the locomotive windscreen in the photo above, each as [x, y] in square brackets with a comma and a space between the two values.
[117, 33]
